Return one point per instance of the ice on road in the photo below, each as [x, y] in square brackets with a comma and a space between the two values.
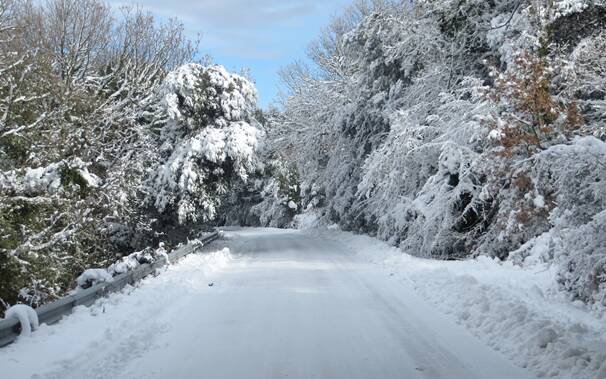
[282, 305]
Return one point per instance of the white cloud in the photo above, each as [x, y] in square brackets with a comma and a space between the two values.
[233, 14]
[262, 35]
[252, 29]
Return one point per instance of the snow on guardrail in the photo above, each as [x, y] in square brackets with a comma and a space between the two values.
[53, 312]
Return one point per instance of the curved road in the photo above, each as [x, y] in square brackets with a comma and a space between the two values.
[286, 306]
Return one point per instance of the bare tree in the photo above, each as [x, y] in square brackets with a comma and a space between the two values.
[75, 33]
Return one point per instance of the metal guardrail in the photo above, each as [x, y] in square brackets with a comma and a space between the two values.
[52, 313]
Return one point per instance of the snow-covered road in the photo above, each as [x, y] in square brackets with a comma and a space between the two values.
[283, 304]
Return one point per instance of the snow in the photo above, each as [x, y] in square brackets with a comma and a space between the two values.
[307, 220]
[136, 259]
[98, 342]
[42, 177]
[241, 144]
[161, 251]
[567, 7]
[536, 251]
[337, 304]
[282, 302]
[232, 93]
[180, 82]
[27, 316]
[91, 179]
[539, 201]
[208, 136]
[292, 205]
[124, 265]
[517, 310]
[495, 135]
[93, 276]
[45, 179]
[32, 180]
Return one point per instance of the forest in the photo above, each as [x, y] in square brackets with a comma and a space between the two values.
[451, 129]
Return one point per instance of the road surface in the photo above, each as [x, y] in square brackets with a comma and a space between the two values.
[287, 305]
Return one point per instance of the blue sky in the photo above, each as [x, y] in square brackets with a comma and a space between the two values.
[262, 35]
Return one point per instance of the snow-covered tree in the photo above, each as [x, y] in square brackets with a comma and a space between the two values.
[209, 140]
[76, 88]
[449, 129]
[423, 186]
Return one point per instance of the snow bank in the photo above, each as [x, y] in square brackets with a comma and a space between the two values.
[134, 260]
[93, 276]
[516, 310]
[307, 220]
[26, 315]
[161, 252]
[132, 321]
[131, 262]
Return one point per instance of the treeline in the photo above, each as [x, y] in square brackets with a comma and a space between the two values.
[451, 129]
[111, 140]
[459, 128]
